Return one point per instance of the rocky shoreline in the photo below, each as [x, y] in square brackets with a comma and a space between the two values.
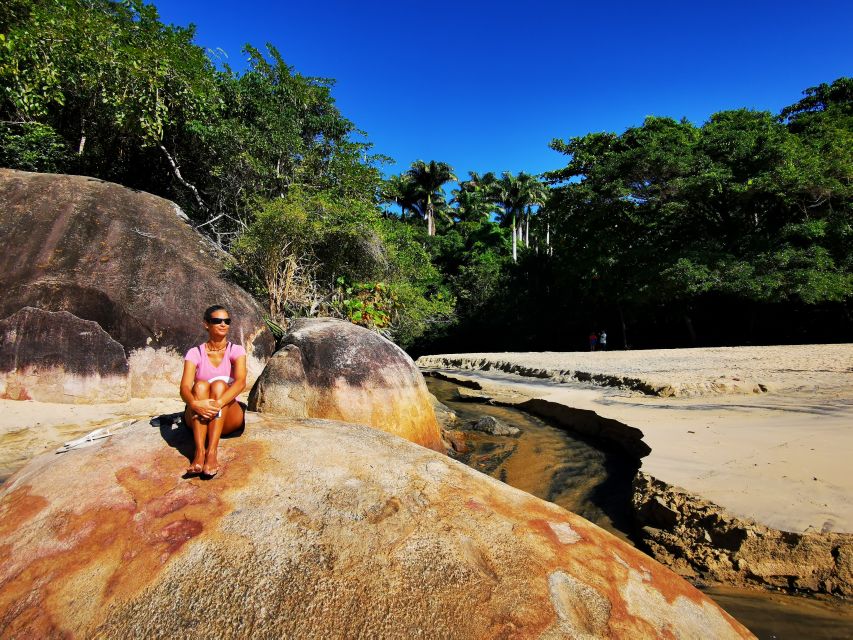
[692, 535]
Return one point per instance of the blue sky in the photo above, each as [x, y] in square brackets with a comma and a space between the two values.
[485, 86]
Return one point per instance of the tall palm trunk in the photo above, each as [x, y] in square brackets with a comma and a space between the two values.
[514, 239]
[527, 229]
[430, 220]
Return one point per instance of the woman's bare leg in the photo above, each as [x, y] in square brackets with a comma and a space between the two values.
[234, 416]
[199, 426]
[211, 464]
[230, 420]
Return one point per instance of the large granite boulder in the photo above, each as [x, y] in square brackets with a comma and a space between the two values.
[123, 259]
[333, 369]
[50, 355]
[314, 529]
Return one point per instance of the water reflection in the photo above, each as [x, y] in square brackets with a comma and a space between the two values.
[578, 475]
[548, 462]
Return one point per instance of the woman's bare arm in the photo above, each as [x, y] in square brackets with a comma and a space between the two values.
[239, 374]
[204, 408]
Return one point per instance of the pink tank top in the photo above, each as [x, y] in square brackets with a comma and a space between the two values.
[204, 370]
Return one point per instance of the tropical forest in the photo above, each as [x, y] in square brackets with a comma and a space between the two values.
[734, 231]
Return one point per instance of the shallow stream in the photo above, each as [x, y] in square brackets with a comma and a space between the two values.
[587, 478]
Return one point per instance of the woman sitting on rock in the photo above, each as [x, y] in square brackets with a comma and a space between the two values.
[214, 375]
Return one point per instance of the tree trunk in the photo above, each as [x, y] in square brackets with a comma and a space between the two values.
[176, 170]
[624, 330]
[82, 144]
[430, 223]
[514, 239]
[527, 229]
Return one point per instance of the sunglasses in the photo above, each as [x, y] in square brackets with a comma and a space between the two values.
[219, 321]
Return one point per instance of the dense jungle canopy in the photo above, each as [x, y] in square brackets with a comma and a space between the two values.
[735, 231]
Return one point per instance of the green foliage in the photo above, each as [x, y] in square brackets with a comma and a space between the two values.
[309, 254]
[425, 182]
[104, 72]
[32, 146]
[279, 129]
[370, 305]
[480, 281]
[133, 100]
[277, 254]
[744, 206]
[749, 206]
[424, 303]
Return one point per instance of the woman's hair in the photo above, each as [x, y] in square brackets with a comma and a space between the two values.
[208, 313]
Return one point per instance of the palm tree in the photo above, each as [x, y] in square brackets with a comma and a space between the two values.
[516, 196]
[429, 178]
[508, 194]
[472, 205]
[545, 215]
[402, 191]
[535, 193]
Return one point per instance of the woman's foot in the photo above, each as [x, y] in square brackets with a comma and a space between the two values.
[197, 465]
[211, 464]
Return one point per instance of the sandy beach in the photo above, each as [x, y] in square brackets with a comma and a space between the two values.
[28, 428]
[778, 455]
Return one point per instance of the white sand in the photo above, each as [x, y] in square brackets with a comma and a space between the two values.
[781, 458]
[28, 428]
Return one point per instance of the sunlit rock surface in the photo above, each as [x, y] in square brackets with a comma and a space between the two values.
[315, 529]
[123, 259]
[333, 369]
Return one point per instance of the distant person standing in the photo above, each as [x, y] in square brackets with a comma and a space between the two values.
[593, 340]
[602, 340]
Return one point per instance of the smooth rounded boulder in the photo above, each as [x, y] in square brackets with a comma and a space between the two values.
[329, 368]
[48, 355]
[123, 259]
[315, 529]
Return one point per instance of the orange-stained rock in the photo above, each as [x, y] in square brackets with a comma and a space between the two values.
[329, 368]
[314, 529]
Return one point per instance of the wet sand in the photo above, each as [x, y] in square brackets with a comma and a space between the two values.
[778, 457]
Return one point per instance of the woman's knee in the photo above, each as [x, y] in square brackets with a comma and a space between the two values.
[218, 388]
[201, 390]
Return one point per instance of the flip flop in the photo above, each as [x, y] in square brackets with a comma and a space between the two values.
[87, 440]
